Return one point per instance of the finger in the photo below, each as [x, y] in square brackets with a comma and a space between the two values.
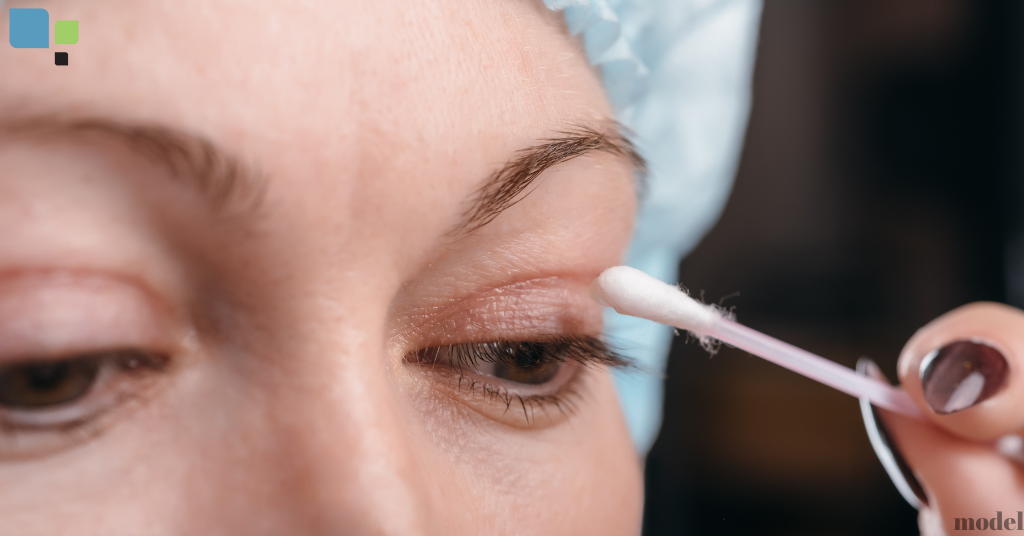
[964, 371]
[964, 480]
[957, 484]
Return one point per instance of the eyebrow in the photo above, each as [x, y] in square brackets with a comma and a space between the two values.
[502, 188]
[223, 179]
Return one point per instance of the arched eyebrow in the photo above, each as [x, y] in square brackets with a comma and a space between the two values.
[223, 179]
[502, 188]
[228, 183]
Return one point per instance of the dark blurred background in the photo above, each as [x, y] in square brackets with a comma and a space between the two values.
[880, 186]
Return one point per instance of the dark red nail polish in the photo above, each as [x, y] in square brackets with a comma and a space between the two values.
[962, 374]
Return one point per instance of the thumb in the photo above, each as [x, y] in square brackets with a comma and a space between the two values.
[964, 371]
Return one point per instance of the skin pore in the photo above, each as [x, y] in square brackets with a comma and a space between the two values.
[255, 355]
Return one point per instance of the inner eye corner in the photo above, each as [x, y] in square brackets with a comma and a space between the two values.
[59, 383]
[134, 360]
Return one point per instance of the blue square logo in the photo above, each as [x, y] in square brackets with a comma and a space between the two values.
[30, 28]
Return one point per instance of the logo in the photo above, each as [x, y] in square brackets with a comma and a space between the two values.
[995, 523]
[30, 28]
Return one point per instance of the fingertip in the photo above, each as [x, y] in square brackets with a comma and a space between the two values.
[963, 370]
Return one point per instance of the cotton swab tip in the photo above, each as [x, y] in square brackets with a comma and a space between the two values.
[632, 292]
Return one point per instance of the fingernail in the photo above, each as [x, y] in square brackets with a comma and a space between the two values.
[892, 460]
[962, 374]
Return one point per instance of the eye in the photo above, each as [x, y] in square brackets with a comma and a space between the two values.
[544, 378]
[530, 363]
[42, 401]
[46, 384]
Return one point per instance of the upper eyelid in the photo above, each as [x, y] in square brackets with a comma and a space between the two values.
[133, 314]
[77, 275]
[550, 304]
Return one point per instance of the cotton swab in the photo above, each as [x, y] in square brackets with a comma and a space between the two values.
[632, 292]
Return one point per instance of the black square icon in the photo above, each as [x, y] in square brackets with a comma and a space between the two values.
[60, 58]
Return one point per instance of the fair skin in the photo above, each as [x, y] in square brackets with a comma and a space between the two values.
[962, 472]
[279, 360]
[285, 396]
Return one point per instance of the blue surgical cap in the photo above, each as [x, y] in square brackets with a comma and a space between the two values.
[678, 73]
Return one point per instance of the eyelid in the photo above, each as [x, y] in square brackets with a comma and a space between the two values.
[55, 313]
[519, 311]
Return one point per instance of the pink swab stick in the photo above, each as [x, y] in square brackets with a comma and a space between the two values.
[632, 292]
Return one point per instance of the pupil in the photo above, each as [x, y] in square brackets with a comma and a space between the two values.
[46, 377]
[39, 385]
[527, 364]
[529, 356]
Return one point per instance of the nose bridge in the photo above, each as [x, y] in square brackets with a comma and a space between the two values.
[348, 437]
[388, 482]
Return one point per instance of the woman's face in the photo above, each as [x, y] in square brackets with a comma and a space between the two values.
[273, 268]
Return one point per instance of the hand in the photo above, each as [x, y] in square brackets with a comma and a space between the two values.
[965, 370]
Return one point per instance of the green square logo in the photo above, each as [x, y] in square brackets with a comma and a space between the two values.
[66, 32]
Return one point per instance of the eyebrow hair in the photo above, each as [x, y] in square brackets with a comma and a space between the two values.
[225, 181]
[502, 188]
[221, 177]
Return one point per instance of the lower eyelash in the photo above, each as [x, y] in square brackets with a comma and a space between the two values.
[26, 434]
[575, 350]
[564, 400]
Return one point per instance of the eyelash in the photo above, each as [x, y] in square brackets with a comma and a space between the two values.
[115, 382]
[111, 385]
[583, 350]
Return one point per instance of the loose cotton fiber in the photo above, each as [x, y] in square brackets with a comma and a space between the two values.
[632, 292]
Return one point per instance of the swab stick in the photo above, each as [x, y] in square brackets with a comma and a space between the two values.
[632, 292]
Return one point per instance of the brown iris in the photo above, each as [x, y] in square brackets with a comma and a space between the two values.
[43, 384]
[526, 362]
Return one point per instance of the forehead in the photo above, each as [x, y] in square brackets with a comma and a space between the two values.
[372, 121]
[326, 74]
